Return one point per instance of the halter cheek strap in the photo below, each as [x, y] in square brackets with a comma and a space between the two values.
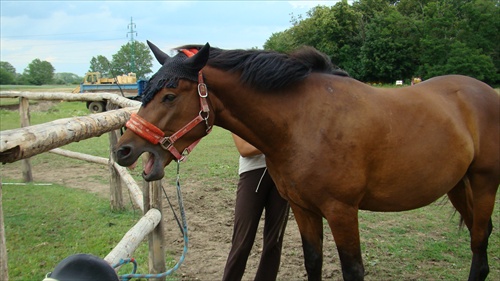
[155, 135]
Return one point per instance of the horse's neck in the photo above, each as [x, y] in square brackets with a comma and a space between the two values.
[244, 111]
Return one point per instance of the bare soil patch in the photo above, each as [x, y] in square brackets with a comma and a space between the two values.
[209, 213]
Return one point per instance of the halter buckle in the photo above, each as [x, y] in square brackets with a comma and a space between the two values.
[202, 90]
[165, 141]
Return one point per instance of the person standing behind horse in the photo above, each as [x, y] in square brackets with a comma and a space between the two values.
[256, 191]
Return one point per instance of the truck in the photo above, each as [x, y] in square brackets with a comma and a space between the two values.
[126, 85]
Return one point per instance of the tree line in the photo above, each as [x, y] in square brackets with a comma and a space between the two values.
[389, 40]
[132, 57]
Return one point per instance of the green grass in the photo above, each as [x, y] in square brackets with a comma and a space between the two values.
[10, 118]
[426, 241]
[45, 224]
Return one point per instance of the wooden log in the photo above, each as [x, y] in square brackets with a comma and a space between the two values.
[134, 236]
[24, 112]
[80, 156]
[4, 273]
[26, 142]
[114, 98]
[153, 200]
[115, 183]
[128, 180]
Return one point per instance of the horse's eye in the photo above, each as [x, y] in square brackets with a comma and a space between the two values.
[169, 97]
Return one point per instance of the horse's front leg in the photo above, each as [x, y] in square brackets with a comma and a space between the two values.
[311, 232]
[343, 221]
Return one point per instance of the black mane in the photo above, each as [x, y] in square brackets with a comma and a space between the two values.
[261, 70]
[269, 70]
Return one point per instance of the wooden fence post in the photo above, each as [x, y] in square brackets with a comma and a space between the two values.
[115, 182]
[24, 112]
[4, 273]
[153, 199]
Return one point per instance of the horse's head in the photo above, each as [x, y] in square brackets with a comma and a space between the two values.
[174, 114]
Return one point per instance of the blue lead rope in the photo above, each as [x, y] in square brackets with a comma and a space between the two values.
[184, 230]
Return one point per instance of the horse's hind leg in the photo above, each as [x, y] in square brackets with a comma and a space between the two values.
[311, 231]
[484, 189]
[343, 221]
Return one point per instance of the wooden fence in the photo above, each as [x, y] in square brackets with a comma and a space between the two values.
[20, 144]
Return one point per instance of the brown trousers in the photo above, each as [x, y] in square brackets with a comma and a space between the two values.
[250, 204]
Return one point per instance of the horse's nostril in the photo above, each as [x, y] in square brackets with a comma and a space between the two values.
[123, 152]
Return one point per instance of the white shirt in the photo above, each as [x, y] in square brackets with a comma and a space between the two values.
[251, 163]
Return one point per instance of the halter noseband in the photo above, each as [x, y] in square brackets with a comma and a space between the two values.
[155, 135]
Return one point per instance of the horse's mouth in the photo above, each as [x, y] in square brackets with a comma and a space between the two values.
[148, 167]
[153, 168]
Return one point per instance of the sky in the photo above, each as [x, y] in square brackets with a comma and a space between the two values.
[69, 33]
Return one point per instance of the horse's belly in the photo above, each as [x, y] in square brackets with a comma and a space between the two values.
[418, 175]
[406, 196]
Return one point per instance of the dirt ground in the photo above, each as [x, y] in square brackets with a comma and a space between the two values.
[209, 214]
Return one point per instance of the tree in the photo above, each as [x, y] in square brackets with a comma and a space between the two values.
[100, 64]
[389, 52]
[479, 22]
[7, 73]
[6, 78]
[8, 67]
[461, 59]
[387, 40]
[280, 42]
[133, 57]
[39, 72]
[460, 38]
[332, 30]
[67, 78]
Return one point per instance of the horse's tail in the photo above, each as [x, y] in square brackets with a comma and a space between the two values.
[468, 198]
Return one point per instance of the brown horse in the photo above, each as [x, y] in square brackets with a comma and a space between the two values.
[333, 145]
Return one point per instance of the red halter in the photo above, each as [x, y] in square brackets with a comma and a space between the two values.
[155, 135]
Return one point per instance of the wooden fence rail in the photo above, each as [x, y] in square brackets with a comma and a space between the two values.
[28, 141]
[131, 240]
[25, 142]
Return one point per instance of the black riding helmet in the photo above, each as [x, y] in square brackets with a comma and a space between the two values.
[82, 267]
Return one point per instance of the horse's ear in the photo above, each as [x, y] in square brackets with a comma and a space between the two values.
[160, 56]
[198, 61]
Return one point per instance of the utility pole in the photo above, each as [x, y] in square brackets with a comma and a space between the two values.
[131, 27]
